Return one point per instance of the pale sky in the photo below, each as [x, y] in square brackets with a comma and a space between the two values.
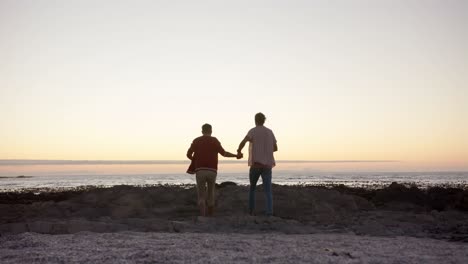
[337, 80]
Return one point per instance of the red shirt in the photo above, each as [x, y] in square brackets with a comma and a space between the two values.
[205, 157]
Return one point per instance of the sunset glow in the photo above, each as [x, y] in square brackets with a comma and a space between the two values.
[101, 80]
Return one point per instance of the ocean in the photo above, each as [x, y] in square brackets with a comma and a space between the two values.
[58, 174]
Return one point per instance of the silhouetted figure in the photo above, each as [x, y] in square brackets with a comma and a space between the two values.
[261, 160]
[204, 156]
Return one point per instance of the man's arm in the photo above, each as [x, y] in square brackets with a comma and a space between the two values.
[242, 144]
[190, 152]
[228, 155]
[275, 147]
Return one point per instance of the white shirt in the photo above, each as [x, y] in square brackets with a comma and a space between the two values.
[261, 147]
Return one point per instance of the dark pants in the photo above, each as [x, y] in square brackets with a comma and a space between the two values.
[266, 174]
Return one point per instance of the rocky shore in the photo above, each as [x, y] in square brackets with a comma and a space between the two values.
[396, 210]
[312, 224]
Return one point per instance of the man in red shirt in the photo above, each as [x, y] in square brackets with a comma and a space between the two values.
[204, 156]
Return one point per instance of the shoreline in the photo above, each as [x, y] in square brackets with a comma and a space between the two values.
[329, 185]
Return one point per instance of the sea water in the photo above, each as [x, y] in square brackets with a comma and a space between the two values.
[58, 174]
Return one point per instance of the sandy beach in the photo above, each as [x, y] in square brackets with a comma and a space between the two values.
[395, 224]
[137, 247]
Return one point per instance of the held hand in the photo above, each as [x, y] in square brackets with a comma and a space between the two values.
[239, 155]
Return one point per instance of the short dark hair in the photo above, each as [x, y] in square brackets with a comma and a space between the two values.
[260, 118]
[206, 128]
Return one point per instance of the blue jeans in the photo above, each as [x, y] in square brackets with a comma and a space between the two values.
[254, 174]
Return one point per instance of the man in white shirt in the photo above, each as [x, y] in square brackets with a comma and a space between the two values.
[261, 160]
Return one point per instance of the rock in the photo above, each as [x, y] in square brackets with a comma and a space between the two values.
[178, 226]
[397, 186]
[225, 184]
[42, 227]
[463, 203]
[363, 204]
[122, 211]
[399, 193]
[298, 209]
[91, 198]
[373, 228]
[14, 228]
[444, 198]
[158, 225]
[75, 226]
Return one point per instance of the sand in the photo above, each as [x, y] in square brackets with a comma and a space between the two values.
[135, 247]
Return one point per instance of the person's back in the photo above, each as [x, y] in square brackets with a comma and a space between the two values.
[262, 146]
[206, 149]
